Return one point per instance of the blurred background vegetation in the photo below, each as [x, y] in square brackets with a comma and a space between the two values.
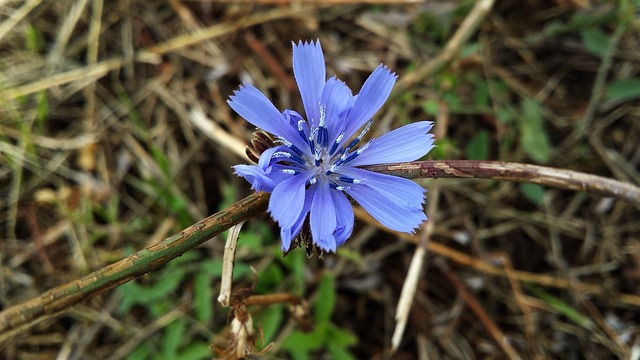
[114, 134]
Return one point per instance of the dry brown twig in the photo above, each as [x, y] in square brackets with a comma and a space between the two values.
[468, 27]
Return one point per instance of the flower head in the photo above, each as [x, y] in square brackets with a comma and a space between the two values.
[314, 162]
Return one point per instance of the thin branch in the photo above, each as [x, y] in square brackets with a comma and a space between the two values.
[448, 54]
[500, 170]
[22, 316]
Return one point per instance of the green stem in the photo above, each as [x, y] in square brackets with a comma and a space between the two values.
[24, 315]
[30, 312]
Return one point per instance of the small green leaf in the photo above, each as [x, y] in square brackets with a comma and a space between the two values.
[595, 41]
[134, 293]
[326, 299]
[173, 335]
[214, 268]
[533, 192]
[196, 351]
[340, 337]
[203, 295]
[270, 278]
[562, 307]
[141, 352]
[430, 107]
[34, 39]
[532, 133]
[42, 108]
[478, 146]
[340, 353]
[295, 261]
[269, 319]
[622, 90]
[298, 341]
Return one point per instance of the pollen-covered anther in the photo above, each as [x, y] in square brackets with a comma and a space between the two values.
[323, 133]
[301, 124]
[336, 144]
[286, 155]
[281, 154]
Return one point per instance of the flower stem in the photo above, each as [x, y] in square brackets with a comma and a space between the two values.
[499, 170]
[23, 315]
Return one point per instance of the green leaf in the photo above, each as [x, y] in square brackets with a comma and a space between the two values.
[141, 352]
[340, 353]
[478, 146]
[269, 319]
[250, 239]
[42, 108]
[296, 261]
[271, 277]
[298, 341]
[196, 351]
[352, 255]
[203, 295]
[34, 40]
[562, 307]
[533, 192]
[214, 268]
[134, 293]
[173, 335]
[430, 107]
[470, 49]
[340, 337]
[326, 299]
[595, 41]
[622, 90]
[532, 133]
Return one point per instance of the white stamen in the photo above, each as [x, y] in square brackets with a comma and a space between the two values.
[323, 113]
[279, 154]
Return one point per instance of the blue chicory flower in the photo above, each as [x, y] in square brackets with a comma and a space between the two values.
[314, 161]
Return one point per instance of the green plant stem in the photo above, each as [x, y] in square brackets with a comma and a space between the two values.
[52, 302]
[23, 315]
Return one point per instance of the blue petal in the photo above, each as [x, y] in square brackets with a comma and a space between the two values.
[323, 218]
[402, 192]
[374, 93]
[254, 107]
[344, 217]
[265, 158]
[287, 200]
[271, 170]
[309, 71]
[289, 233]
[407, 143]
[337, 98]
[386, 212]
[259, 180]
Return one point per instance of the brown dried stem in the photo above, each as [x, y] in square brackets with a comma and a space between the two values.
[526, 173]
